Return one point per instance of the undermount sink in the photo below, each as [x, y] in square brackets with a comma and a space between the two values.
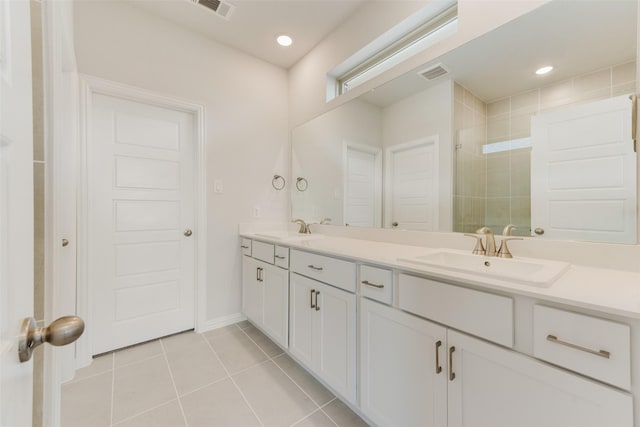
[289, 236]
[528, 271]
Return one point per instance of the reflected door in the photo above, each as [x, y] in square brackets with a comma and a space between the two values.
[362, 183]
[141, 189]
[583, 169]
[413, 186]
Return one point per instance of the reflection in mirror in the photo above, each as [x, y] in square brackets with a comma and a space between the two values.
[490, 142]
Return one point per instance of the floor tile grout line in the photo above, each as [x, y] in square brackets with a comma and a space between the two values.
[124, 420]
[79, 380]
[173, 381]
[283, 371]
[325, 412]
[195, 390]
[145, 359]
[255, 414]
[295, 423]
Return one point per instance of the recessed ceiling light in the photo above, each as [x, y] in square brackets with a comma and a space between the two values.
[544, 70]
[284, 40]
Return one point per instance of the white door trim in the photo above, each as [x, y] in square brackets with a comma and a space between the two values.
[377, 152]
[388, 174]
[90, 86]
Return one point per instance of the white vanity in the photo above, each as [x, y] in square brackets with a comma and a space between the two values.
[410, 344]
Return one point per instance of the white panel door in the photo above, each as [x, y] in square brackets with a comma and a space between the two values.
[583, 171]
[362, 184]
[500, 388]
[413, 186]
[16, 209]
[335, 333]
[141, 189]
[403, 368]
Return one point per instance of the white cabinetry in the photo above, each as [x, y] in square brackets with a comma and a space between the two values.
[497, 387]
[323, 332]
[403, 368]
[265, 298]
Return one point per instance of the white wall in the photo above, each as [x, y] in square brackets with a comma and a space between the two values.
[246, 119]
[307, 79]
[420, 116]
[318, 156]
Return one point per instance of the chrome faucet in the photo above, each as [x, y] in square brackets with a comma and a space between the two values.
[325, 221]
[490, 241]
[304, 227]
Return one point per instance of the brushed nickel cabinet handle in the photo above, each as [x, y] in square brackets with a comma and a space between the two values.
[244, 247]
[368, 283]
[314, 267]
[280, 257]
[313, 291]
[317, 305]
[438, 367]
[601, 353]
[452, 375]
[258, 274]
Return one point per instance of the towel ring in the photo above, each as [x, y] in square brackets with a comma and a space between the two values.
[302, 183]
[278, 182]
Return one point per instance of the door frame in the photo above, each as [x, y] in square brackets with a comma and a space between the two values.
[377, 152]
[388, 175]
[89, 87]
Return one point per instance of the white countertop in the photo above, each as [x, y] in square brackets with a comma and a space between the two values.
[610, 291]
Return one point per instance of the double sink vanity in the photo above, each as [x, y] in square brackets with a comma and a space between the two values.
[418, 336]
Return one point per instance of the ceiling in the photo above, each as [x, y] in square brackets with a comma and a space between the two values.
[254, 24]
[576, 37]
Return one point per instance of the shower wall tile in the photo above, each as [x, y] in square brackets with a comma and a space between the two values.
[526, 102]
[556, 95]
[593, 81]
[501, 106]
[623, 73]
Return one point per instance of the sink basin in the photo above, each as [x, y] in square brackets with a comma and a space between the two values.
[288, 236]
[528, 271]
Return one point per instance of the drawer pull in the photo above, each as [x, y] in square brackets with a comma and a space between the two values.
[452, 375]
[244, 247]
[438, 367]
[368, 283]
[313, 291]
[601, 353]
[314, 267]
[280, 257]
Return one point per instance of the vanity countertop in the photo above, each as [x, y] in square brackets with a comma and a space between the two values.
[609, 291]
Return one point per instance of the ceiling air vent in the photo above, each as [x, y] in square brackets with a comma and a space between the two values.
[220, 8]
[434, 72]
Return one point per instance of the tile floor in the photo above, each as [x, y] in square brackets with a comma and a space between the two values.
[230, 377]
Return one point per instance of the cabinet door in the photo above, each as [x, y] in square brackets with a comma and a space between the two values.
[403, 368]
[497, 387]
[335, 332]
[301, 315]
[275, 294]
[251, 290]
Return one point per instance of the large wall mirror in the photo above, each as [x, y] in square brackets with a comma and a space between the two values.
[489, 142]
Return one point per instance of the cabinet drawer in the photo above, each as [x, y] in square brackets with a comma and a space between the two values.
[598, 348]
[336, 272]
[376, 283]
[282, 256]
[245, 245]
[263, 251]
[477, 313]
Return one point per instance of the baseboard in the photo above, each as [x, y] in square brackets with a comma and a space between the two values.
[220, 322]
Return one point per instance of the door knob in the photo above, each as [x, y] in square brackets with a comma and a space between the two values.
[62, 331]
[188, 232]
[539, 231]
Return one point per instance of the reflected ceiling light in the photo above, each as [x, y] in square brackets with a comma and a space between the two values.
[284, 40]
[544, 70]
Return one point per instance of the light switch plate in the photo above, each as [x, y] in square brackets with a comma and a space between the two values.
[217, 186]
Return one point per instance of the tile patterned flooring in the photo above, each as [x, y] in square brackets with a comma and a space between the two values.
[229, 377]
